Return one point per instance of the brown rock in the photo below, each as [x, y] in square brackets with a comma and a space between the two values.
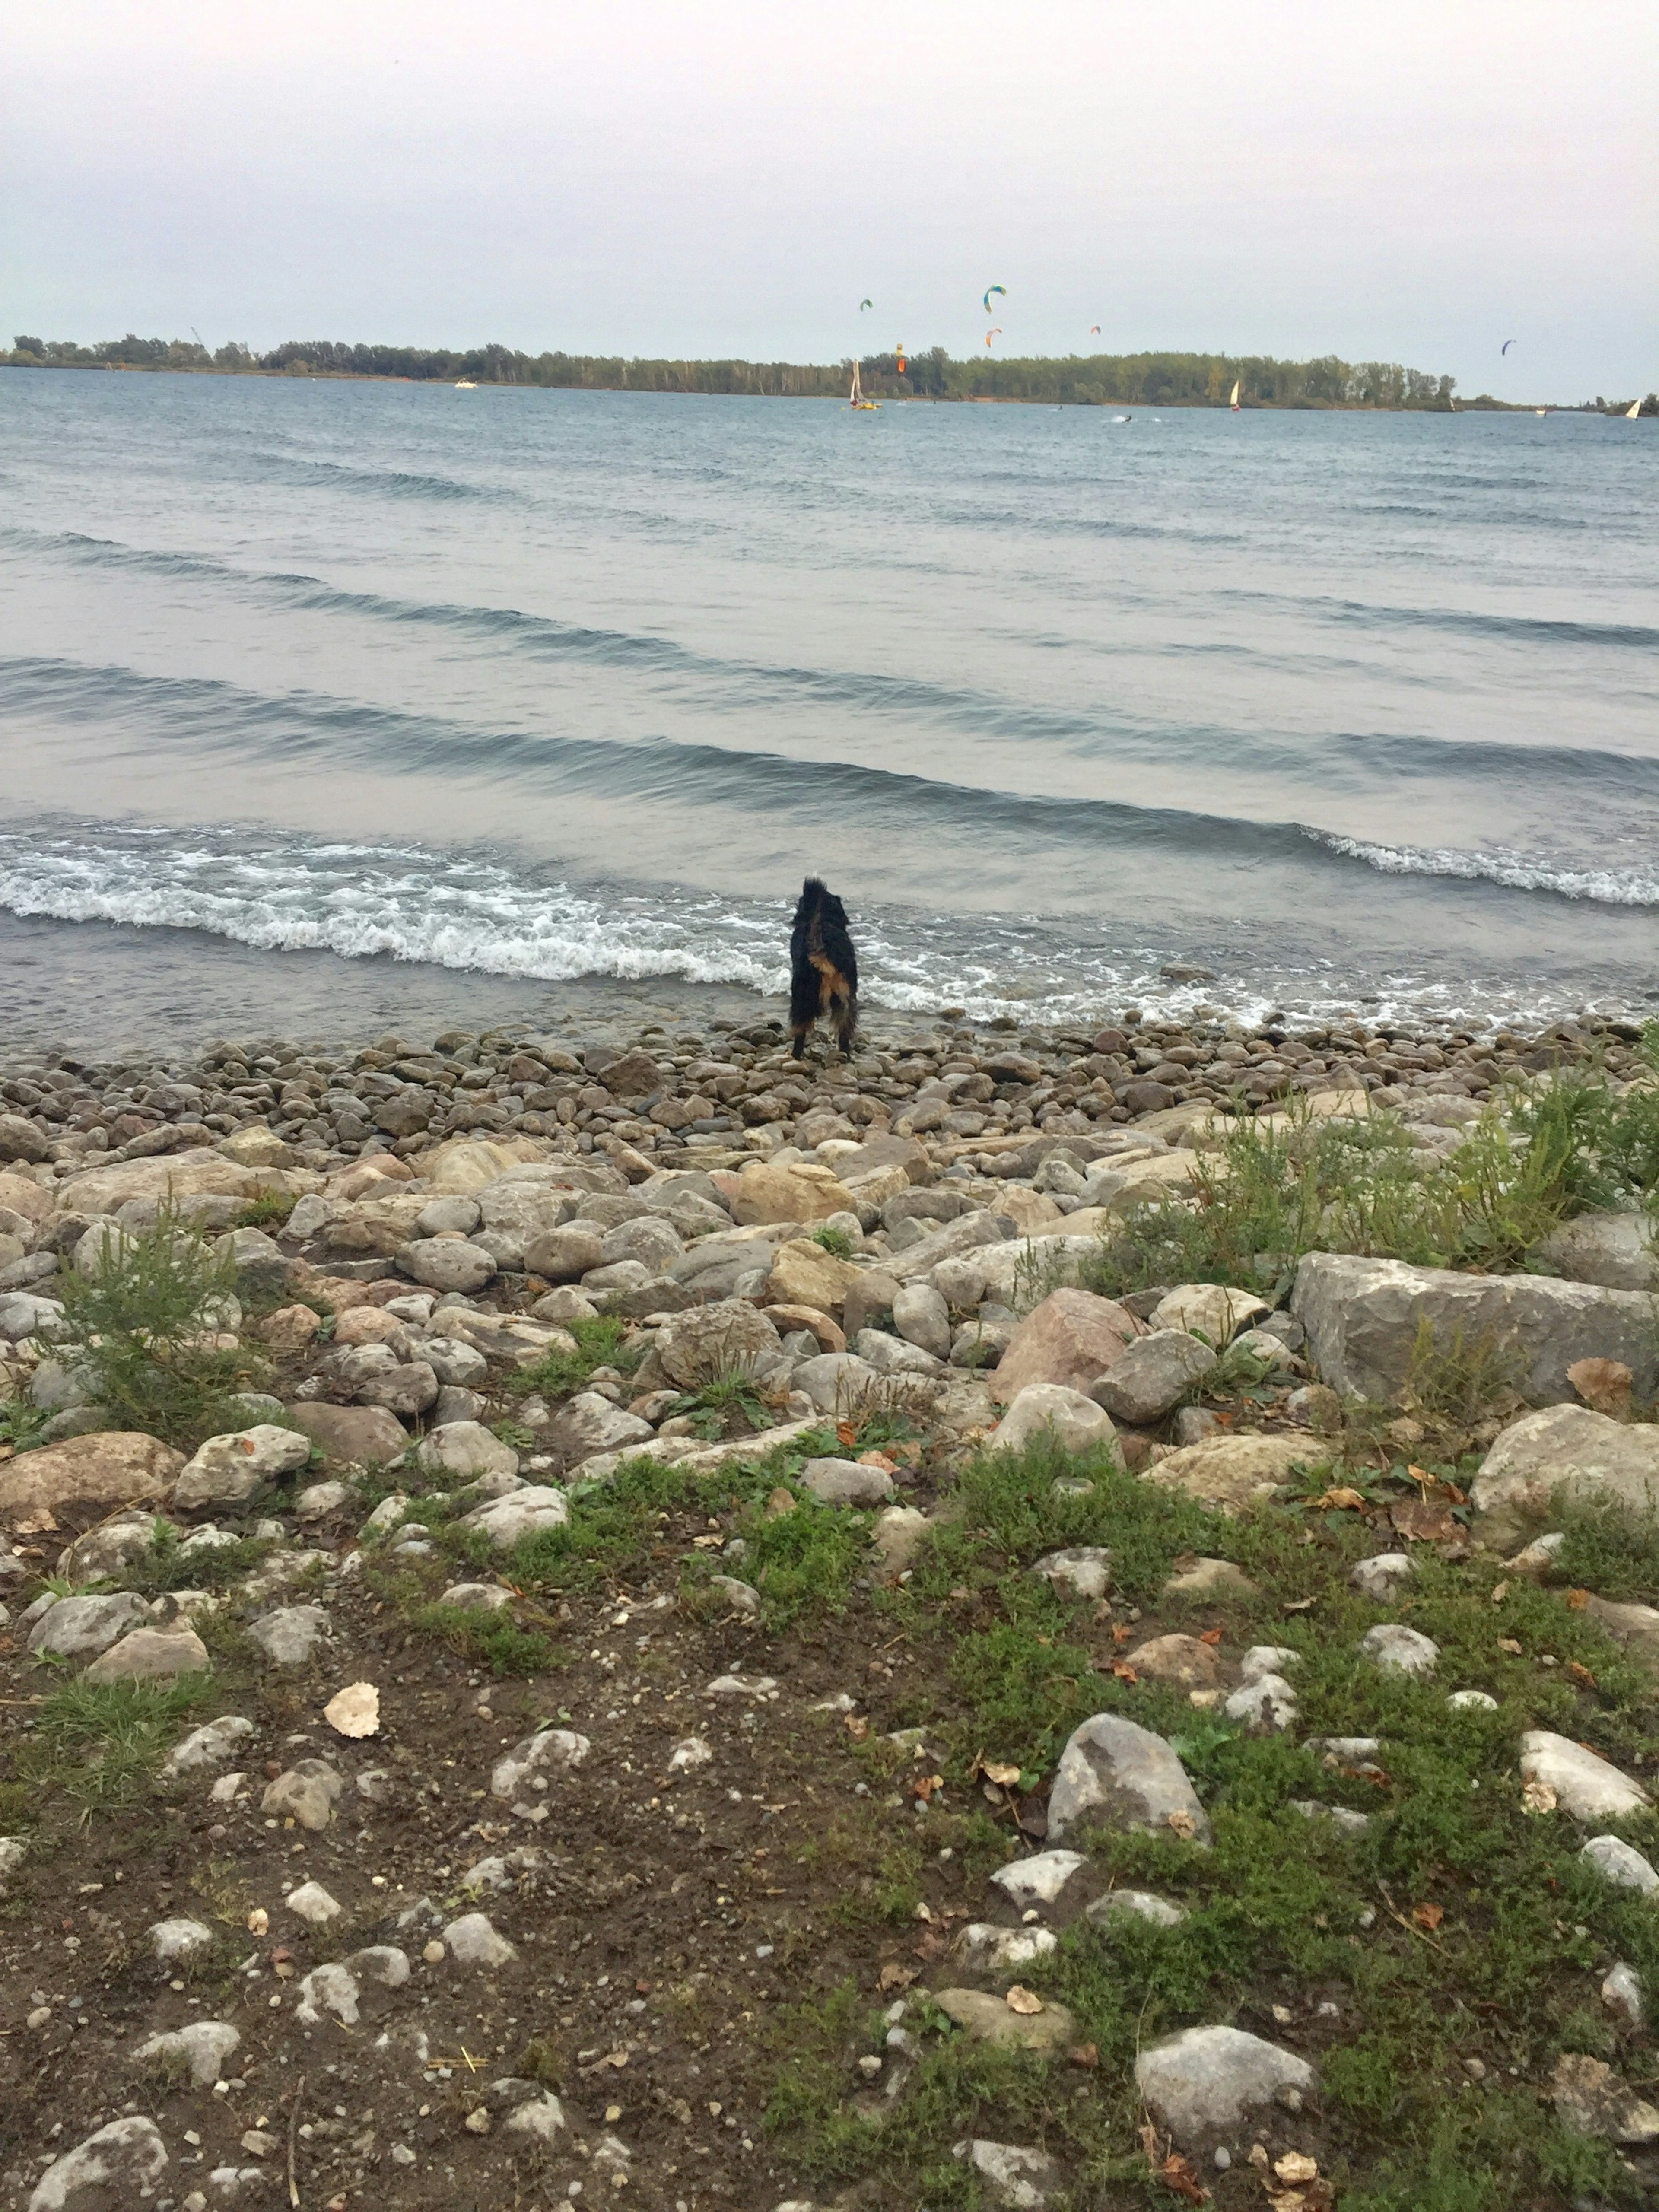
[1603, 1384]
[991, 2020]
[804, 1274]
[1182, 1660]
[23, 1194]
[563, 1255]
[180, 1175]
[1070, 1338]
[151, 1654]
[801, 1192]
[367, 1435]
[1230, 1471]
[1591, 2098]
[87, 1478]
[784, 1318]
[465, 1165]
[1144, 1097]
[871, 1295]
[20, 1140]
[887, 1152]
[290, 1328]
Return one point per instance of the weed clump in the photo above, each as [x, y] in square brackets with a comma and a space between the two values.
[143, 1325]
[598, 1344]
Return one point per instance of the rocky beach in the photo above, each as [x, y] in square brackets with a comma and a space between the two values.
[658, 1624]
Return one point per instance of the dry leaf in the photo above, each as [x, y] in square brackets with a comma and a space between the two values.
[1182, 1823]
[1603, 1384]
[924, 1911]
[894, 1976]
[880, 1460]
[1508, 1644]
[781, 1502]
[1499, 1592]
[846, 1434]
[1577, 1599]
[1176, 2174]
[355, 1710]
[857, 1727]
[1211, 1636]
[1421, 1522]
[1120, 1634]
[925, 1785]
[1581, 1675]
[1426, 1915]
[1084, 2054]
[706, 1543]
[1340, 1500]
[1297, 2165]
[1298, 1605]
[1537, 1797]
[1021, 2000]
[1123, 1671]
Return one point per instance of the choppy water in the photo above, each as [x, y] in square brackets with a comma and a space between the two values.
[318, 699]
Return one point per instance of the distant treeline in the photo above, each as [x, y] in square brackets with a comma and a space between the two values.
[1139, 380]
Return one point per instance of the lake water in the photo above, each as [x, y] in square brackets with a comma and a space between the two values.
[326, 704]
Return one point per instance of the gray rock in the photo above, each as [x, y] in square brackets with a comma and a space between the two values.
[649, 1240]
[548, 1752]
[1615, 1250]
[1569, 1453]
[464, 1449]
[1380, 1577]
[1081, 1571]
[1039, 1878]
[1152, 1375]
[176, 1942]
[476, 1597]
[706, 1343]
[1621, 1994]
[741, 1597]
[402, 1390]
[447, 1263]
[1621, 1864]
[458, 1216]
[540, 2115]
[229, 1468]
[1363, 1317]
[1025, 2179]
[1399, 1650]
[454, 1404]
[203, 2046]
[1218, 1311]
[1076, 1422]
[587, 1424]
[473, 1941]
[123, 2161]
[1121, 1776]
[1591, 2100]
[107, 1550]
[1586, 1786]
[1207, 2081]
[320, 1500]
[57, 1385]
[891, 1355]
[460, 1366]
[288, 1636]
[1263, 1659]
[306, 1793]
[836, 1382]
[1465, 1701]
[524, 1512]
[844, 1482]
[563, 1255]
[365, 1435]
[313, 1903]
[81, 1628]
[988, 2019]
[24, 1314]
[517, 1218]
[256, 1258]
[1267, 1704]
[213, 1744]
[155, 1655]
[1141, 1904]
[1350, 1823]
[921, 1317]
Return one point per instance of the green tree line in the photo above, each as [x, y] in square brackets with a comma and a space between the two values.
[1139, 379]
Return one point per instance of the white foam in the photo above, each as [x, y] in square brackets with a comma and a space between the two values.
[1513, 870]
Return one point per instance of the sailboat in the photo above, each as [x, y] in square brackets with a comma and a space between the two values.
[1634, 412]
[855, 397]
[1233, 403]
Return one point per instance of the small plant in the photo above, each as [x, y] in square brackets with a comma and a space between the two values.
[21, 1424]
[714, 1407]
[266, 1209]
[1459, 1382]
[598, 1344]
[140, 1324]
[836, 1241]
[98, 1741]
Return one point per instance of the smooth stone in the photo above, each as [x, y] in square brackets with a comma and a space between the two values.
[319, 1501]
[987, 2018]
[526, 1512]
[1231, 1472]
[476, 1597]
[803, 1273]
[474, 1942]
[457, 1366]
[1566, 1453]
[891, 1355]
[447, 1263]
[845, 1482]
[1621, 1864]
[1141, 1904]
[288, 1636]
[1071, 1339]
[152, 1654]
[836, 1382]
[1380, 1577]
[588, 1423]
[1218, 1312]
[203, 2045]
[1152, 1375]
[1587, 1786]
[707, 1343]
[1207, 2081]
[1340, 1816]
[1185, 1661]
[1075, 1422]
[898, 1539]
[360, 1435]
[1399, 1650]
[313, 1905]
[1123, 1776]
[465, 1449]
[88, 1478]
[1615, 1250]
[921, 1317]
[176, 1942]
[1471, 1701]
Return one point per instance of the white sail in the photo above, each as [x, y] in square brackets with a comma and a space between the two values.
[1233, 403]
[855, 395]
[1633, 411]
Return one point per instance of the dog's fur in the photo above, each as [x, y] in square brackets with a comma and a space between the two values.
[823, 967]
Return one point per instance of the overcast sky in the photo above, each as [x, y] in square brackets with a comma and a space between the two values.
[1414, 182]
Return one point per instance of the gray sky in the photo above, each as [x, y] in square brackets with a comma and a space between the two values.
[1416, 183]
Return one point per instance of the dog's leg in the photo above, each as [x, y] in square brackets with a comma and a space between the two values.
[800, 1040]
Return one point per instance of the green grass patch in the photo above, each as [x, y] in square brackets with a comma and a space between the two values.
[1609, 1550]
[836, 1241]
[98, 1744]
[21, 1424]
[167, 1566]
[598, 1344]
[267, 1210]
[492, 1639]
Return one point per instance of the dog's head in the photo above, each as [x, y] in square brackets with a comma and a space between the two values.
[816, 897]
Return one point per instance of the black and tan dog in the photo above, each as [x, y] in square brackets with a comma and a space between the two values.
[823, 967]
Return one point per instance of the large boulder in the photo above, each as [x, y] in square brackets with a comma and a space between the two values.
[1566, 1452]
[362, 1435]
[447, 1263]
[1230, 1473]
[1072, 1338]
[1363, 1318]
[1583, 1783]
[1152, 1375]
[229, 1468]
[1206, 2081]
[588, 1422]
[1613, 1249]
[172, 1176]
[82, 1627]
[1115, 1774]
[516, 1215]
[122, 2164]
[799, 1191]
[86, 1479]
[804, 1274]
[727, 1337]
[466, 1164]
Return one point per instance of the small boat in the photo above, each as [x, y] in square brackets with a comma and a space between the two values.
[467, 384]
[1634, 412]
[1540, 412]
[855, 397]
[1233, 403]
